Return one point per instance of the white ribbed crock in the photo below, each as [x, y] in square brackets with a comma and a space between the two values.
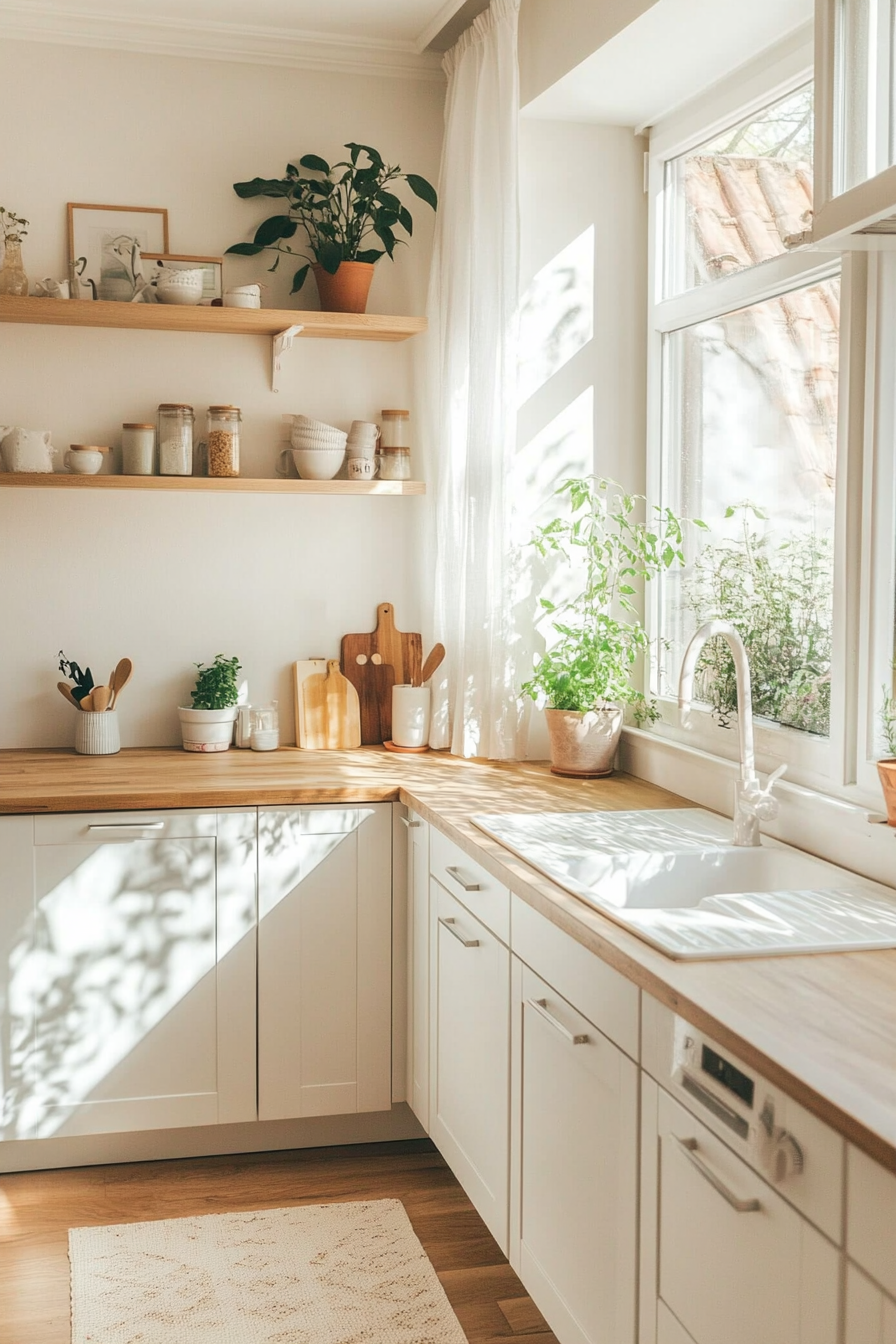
[410, 716]
[97, 734]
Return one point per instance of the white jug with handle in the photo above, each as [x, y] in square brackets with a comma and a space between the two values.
[28, 450]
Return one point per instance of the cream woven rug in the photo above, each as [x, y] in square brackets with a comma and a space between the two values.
[321, 1274]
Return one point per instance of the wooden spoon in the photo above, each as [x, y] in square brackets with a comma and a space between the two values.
[433, 661]
[87, 703]
[66, 690]
[101, 697]
[120, 678]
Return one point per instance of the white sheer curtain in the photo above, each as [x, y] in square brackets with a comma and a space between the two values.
[473, 298]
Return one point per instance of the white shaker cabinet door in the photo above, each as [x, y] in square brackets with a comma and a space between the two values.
[132, 981]
[574, 1174]
[469, 1059]
[418, 967]
[324, 960]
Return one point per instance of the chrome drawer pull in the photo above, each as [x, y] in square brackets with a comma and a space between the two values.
[540, 1006]
[127, 826]
[467, 886]
[689, 1149]
[410, 824]
[449, 925]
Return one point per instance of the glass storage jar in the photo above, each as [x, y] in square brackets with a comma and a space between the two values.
[265, 727]
[175, 439]
[396, 429]
[223, 443]
[138, 448]
[395, 464]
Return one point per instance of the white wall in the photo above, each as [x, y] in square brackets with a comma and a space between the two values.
[583, 183]
[172, 580]
[557, 35]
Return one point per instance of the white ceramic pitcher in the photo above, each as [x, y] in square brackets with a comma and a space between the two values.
[27, 450]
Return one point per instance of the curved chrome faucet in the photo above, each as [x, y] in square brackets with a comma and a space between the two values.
[752, 802]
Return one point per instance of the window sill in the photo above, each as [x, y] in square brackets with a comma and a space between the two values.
[844, 832]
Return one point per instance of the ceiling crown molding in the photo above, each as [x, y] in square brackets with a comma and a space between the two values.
[245, 43]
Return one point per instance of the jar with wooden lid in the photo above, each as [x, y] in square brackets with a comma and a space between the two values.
[395, 429]
[223, 442]
[175, 439]
[395, 464]
[138, 444]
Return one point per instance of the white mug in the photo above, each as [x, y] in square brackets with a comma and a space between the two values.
[362, 468]
[363, 431]
[83, 461]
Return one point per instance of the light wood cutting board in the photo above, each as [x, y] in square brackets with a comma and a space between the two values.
[332, 716]
[301, 671]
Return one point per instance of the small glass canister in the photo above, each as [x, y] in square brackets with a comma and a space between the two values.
[396, 429]
[223, 447]
[138, 445]
[395, 464]
[175, 439]
[265, 721]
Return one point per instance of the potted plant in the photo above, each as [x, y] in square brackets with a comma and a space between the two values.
[886, 767]
[585, 675]
[350, 215]
[208, 724]
[13, 229]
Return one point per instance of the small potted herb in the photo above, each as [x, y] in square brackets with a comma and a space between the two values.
[886, 767]
[350, 216]
[584, 676]
[208, 724]
[13, 229]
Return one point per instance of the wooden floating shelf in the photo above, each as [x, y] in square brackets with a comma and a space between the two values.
[223, 321]
[221, 484]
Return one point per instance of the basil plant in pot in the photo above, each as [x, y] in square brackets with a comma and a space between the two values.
[207, 725]
[350, 215]
[886, 766]
[585, 674]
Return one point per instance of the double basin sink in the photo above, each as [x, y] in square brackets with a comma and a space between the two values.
[674, 878]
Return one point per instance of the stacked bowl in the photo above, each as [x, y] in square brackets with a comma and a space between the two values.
[318, 450]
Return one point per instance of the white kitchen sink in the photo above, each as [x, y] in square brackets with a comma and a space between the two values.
[675, 879]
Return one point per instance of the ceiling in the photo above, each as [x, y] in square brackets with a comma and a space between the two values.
[672, 50]
[389, 35]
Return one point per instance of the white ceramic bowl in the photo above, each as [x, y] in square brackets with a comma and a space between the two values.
[329, 443]
[180, 287]
[236, 300]
[319, 465]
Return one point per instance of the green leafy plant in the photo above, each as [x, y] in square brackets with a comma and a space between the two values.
[888, 717]
[780, 597]
[216, 686]
[348, 211]
[13, 226]
[82, 677]
[599, 634]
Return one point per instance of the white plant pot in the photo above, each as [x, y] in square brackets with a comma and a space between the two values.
[207, 729]
[584, 744]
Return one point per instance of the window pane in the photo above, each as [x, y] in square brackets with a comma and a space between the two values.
[734, 199]
[750, 438]
[865, 33]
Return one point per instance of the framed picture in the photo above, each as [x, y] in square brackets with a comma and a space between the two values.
[105, 243]
[212, 270]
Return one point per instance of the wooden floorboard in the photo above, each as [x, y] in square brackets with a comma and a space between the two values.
[38, 1208]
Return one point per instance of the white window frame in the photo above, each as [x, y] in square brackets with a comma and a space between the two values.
[865, 558]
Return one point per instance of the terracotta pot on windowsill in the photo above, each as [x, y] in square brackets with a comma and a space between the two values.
[584, 745]
[347, 290]
[887, 771]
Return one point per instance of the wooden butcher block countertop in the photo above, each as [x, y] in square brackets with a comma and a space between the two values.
[822, 1027]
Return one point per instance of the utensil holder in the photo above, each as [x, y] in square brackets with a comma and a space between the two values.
[97, 734]
[410, 715]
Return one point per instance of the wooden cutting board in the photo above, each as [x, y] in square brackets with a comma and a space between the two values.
[301, 671]
[331, 711]
[401, 651]
[373, 680]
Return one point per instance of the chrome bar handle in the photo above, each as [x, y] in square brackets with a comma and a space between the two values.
[467, 886]
[410, 824]
[449, 924]
[689, 1149]
[540, 1006]
[126, 826]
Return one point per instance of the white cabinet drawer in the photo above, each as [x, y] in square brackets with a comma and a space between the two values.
[601, 994]
[470, 884]
[871, 1218]
[66, 828]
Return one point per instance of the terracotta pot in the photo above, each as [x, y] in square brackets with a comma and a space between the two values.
[584, 744]
[347, 290]
[887, 771]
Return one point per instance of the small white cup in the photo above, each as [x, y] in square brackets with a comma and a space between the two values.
[410, 715]
[83, 461]
[242, 296]
[361, 468]
[361, 449]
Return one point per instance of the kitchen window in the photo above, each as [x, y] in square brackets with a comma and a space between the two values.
[757, 384]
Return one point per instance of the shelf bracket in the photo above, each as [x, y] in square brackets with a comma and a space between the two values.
[279, 346]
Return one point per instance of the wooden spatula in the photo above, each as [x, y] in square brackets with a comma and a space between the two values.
[119, 679]
[433, 662]
[102, 698]
[66, 691]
